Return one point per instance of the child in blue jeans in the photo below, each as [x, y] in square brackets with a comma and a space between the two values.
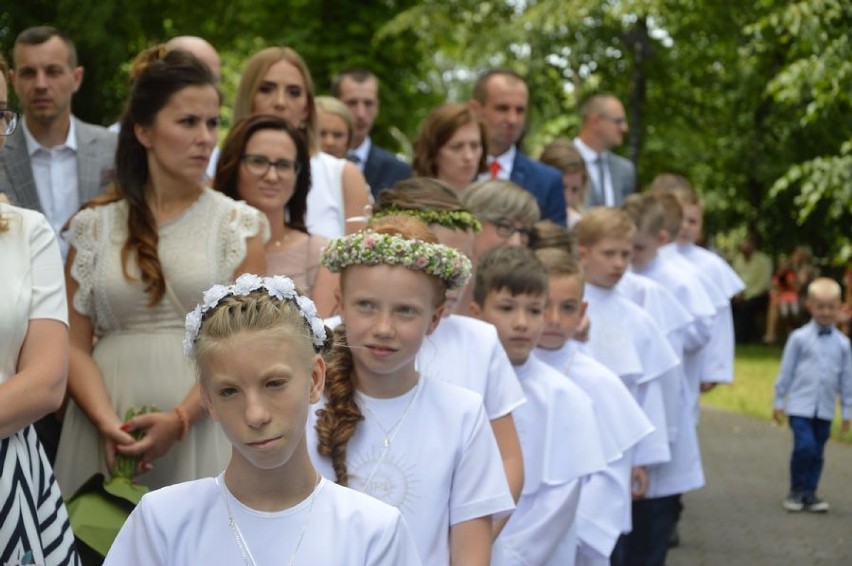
[815, 369]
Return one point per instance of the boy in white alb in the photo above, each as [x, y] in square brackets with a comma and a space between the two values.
[658, 513]
[557, 426]
[257, 346]
[625, 338]
[605, 498]
[715, 272]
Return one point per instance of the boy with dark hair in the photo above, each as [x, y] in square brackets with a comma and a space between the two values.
[557, 426]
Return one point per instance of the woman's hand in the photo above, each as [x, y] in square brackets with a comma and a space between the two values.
[114, 435]
[161, 430]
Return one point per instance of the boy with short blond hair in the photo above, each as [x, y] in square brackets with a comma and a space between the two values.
[816, 369]
[624, 337]
[714, 270]
[557, 427]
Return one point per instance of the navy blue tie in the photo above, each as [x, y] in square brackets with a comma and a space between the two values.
[824, 331]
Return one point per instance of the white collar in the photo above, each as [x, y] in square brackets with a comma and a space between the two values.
[506, 159]
[589, 154]
[362, 152]
[33, 145]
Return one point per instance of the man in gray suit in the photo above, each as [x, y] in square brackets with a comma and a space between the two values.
[604, 125]
[54, 162]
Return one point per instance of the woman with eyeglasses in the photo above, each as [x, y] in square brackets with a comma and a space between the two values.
[265, 162]
[140, 256]
[277, 81]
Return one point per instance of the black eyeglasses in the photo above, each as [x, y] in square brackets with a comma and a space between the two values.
[8, 121]
[259, 165]
[506, 229]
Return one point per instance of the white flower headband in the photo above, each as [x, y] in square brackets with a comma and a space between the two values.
[371, 248]
[278, 286]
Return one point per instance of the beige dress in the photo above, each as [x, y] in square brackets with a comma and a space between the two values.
[299, 261]
[139, 349]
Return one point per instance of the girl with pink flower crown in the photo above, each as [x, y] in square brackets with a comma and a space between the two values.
[422, 445]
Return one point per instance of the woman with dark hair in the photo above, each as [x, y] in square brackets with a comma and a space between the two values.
[450, 146]
[139, 258]
[265, 162]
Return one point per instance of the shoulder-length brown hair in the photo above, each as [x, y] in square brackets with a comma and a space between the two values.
[253, 74]
[436, 131]
[228, 168]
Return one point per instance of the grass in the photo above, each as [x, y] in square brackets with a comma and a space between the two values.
[755, 369]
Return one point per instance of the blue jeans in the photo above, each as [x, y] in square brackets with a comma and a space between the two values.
[809, 438]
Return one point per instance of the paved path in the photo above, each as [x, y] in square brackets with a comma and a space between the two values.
[737, 519]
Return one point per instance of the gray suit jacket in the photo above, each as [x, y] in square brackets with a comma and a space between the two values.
[95, 161]
[623, 175]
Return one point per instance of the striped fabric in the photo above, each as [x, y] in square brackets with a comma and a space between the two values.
[34, 527]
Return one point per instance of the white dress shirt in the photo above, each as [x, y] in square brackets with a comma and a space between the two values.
[506, 161]
[591, 157]
[361, 153]
[55, 174]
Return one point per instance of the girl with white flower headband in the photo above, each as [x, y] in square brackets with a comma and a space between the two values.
[257, 345]
[422, 445]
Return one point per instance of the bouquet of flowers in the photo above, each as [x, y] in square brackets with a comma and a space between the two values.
[100, 507]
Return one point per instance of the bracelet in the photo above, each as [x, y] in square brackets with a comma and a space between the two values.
[184, 422]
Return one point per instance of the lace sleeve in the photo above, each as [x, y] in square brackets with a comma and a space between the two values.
[83, 237]
[243, 222]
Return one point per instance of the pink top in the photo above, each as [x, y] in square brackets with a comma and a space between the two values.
[299, 261]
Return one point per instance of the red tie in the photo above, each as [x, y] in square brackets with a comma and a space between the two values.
[495, 169]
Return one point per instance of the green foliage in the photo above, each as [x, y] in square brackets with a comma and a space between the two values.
[748, 99]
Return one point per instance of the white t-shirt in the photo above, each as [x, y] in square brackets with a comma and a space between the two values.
[188, 523]
[442, 466]
[561, 444]
[468, 353]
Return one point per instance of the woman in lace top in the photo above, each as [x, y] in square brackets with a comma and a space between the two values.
[139, 257]
[265, 162]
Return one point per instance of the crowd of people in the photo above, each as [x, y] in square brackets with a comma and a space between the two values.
[480, 358]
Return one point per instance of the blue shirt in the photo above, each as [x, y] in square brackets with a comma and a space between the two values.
[815, 370]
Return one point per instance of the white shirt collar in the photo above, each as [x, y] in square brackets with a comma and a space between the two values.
[362, 152]
[506, 161]
[589, 154]
[33, 145]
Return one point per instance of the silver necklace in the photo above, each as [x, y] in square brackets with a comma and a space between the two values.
[390, 433]
[245, 551]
